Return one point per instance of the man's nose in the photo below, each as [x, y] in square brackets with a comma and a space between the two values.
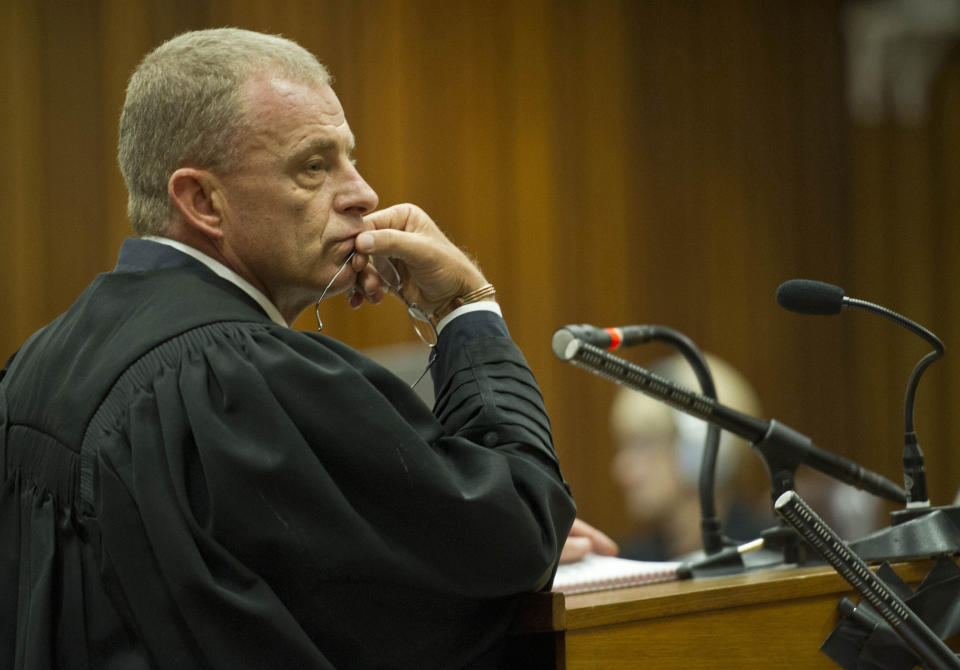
[357, 196]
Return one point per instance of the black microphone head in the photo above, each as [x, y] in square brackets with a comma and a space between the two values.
[810, 297]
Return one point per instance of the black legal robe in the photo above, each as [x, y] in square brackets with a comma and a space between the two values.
[186, 484]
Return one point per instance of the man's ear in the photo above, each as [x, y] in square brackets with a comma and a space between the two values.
[196, 194]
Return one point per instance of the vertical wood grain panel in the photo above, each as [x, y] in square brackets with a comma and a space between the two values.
[21, 175]
[72, 118]
[941, 394]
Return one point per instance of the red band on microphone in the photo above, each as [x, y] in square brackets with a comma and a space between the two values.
[616, 338]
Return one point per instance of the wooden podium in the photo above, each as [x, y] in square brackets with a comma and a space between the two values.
[775, 618]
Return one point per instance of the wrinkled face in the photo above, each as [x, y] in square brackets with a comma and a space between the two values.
[295, 202]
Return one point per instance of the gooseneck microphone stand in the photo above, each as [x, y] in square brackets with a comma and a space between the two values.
[918, 530]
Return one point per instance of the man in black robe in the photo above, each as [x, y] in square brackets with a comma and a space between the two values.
[189, 483]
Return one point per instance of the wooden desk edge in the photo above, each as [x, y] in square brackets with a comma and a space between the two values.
[553, 611]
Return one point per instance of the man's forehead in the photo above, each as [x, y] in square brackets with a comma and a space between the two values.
[271, 95]
[293, 111]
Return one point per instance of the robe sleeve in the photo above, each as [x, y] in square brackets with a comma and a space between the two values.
[290, 493]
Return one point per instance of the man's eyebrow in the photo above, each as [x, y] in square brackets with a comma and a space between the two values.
[319, 144]
[328, 144]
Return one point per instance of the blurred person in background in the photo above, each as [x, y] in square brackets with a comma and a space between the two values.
[657, 466]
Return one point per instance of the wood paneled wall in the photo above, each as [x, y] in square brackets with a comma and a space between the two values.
[609, 162]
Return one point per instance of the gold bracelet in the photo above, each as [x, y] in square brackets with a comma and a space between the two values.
[485, 292]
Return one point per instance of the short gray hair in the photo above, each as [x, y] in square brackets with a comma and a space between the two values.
[183, 107]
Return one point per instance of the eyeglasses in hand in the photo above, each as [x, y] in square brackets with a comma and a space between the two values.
[389, 275]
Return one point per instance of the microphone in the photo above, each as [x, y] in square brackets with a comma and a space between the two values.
[806, 296]
[814, 297]
[885, 600]
[782, 448]
[614, 338]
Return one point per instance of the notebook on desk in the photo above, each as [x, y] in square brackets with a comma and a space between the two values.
[599, 573]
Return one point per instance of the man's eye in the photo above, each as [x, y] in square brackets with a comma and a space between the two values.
[316, 166]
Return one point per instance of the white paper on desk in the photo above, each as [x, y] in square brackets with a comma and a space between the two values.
[598, 573]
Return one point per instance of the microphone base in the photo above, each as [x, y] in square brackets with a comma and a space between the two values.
[782, 546]
[915, 533]
[728, 562]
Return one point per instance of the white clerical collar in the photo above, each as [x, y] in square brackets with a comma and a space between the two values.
[222, 270]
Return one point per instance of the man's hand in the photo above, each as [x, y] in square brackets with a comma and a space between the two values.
[585, 539]
[433, 269]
